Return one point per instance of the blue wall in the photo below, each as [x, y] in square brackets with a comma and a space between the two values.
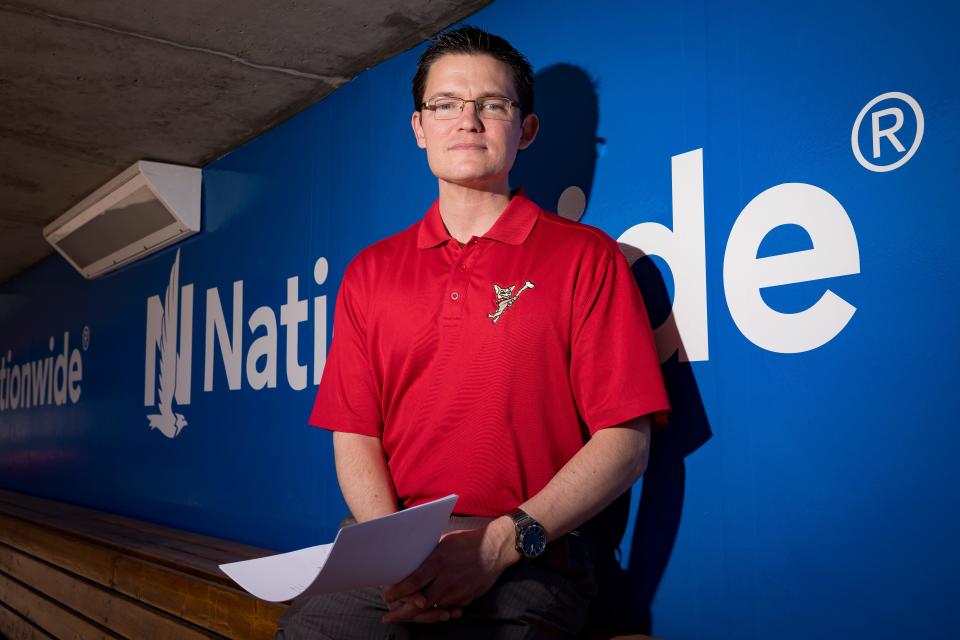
[798, 491]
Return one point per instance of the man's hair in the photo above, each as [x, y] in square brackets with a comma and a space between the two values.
[474, 41]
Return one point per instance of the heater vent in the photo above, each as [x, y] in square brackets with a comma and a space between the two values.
[147, 207]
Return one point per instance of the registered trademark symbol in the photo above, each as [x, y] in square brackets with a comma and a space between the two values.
[884, 125]
[85, 338]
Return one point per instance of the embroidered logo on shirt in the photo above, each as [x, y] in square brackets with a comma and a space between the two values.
[505, 298]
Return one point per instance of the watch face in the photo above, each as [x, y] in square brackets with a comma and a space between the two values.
[533, 541]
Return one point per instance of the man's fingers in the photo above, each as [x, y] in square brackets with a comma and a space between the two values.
[443, 595]
[449, 594]
[402, 613]
[431, 616]
[396, 604]
[409, 612]
[410, 586]
[416, 598]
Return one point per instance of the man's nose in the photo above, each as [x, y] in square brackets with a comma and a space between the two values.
[470, 117]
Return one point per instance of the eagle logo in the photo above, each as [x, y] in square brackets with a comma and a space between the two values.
[506, 298]
[169, 423]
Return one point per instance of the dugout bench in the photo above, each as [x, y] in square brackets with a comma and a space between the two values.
[72, 572]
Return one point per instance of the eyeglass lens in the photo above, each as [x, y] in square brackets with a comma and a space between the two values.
[487, 108]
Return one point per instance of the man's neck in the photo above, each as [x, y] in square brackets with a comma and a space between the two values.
[469, 212]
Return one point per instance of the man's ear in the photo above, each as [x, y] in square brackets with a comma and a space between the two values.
[417, 126]
[528, 130]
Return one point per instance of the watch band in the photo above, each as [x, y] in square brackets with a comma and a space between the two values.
[520, 518]
[522, 524]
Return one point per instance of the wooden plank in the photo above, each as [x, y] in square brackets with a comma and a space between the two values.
[231, 613]
[204, 603]
[54, 506]
[234, 550]
[48, 615]
[129, 541]
[96, 524]
[115, 612]
[14, 627]
[82, 558]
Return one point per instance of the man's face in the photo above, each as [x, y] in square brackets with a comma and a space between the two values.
[468, 150]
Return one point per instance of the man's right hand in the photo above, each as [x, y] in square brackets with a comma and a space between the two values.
[410, 610]
[461, 569]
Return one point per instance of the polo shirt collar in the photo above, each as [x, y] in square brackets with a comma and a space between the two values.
[512, 227]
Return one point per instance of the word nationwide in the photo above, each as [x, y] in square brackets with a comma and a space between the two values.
[54, 379]
[248, 346]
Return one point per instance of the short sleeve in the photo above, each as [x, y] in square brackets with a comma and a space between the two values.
[614, 368]
[347, 399]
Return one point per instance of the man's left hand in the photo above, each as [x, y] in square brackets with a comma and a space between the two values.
[463, 567]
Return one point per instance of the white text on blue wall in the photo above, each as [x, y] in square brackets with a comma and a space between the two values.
[258, 364]
[835, 253]
[54, 379]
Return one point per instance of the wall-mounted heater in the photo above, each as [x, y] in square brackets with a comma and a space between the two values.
[145, 208]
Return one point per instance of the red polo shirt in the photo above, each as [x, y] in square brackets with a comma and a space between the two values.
[484, 367]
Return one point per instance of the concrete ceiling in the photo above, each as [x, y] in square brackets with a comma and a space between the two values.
[87, 88]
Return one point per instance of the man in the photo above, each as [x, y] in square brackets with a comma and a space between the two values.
[492, 350]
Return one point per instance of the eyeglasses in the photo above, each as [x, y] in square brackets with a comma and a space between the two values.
[490, 108]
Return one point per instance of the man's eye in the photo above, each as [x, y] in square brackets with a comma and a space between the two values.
[446, 106]
[494, 106]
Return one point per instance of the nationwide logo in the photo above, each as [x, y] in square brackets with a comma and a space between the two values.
[834, 253]
[54, 379]
[167, 421]
[169, 344]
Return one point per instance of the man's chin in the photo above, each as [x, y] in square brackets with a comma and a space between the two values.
[484, 181]
[477, 184]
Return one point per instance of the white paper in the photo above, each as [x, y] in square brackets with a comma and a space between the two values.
[377, 552]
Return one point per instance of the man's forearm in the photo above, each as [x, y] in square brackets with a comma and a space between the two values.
[363, 476]
[607, 465]
[467, 562]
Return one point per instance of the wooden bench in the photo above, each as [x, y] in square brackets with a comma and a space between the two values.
[71, 572]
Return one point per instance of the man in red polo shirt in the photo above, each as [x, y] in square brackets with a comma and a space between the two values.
[492, 350]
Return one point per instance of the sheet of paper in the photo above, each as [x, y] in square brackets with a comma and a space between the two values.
[376, 552]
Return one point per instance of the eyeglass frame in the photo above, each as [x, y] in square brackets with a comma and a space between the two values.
[476, 105]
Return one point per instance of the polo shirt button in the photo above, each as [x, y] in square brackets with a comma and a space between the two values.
[454, 296]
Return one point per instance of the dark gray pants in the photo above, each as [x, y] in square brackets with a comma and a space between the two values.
[546, 598]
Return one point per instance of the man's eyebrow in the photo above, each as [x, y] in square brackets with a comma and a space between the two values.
[483, 94]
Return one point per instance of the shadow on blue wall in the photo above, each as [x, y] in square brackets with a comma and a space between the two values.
[565, 151]
[565, 154]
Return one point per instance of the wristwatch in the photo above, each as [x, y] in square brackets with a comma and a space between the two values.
[531, 538]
